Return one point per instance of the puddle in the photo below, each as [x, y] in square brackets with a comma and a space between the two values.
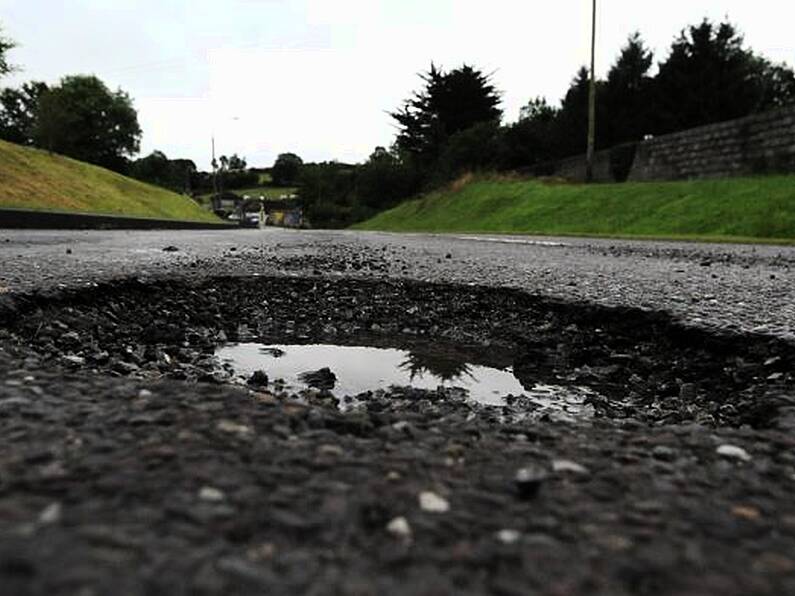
[361, 369]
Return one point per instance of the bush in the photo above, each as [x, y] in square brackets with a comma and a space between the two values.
[479, 148]
[286, 170]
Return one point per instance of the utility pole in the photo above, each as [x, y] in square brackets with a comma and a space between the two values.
[591, 104]
[215, 171]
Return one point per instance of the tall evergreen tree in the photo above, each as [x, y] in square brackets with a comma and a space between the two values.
[571, 126]
[709, 76]
[627, 94]
[449, 103]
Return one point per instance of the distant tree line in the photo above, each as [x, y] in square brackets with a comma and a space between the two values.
[708, 76]
[453, 124]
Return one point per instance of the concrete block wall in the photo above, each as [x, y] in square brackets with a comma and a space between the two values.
[573, 168]
[757, 144]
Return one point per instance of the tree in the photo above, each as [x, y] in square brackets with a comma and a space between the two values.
[383, 181]
[709, 76]
[777, 86]
[154, 168]
[479, 148]
[158, 169]
[327, 192]
[571, 124]
[81, 118]
[236, 163]
[5, 46]
[628, 94]
[18, 109]
[448, 104]
[534, 139]
[287, 169]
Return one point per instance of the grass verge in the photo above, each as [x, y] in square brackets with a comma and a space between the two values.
[737, 209]
[34, 179]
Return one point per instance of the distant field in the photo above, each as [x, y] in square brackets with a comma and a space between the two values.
[269, 192]
[34, 179]
[739, 209]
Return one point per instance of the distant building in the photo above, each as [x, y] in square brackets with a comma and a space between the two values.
[226, 203]
[286, 213]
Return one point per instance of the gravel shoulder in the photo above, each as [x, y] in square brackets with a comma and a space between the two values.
[158, 477]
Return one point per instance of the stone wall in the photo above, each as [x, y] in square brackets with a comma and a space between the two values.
[573, 168]
[758, 144]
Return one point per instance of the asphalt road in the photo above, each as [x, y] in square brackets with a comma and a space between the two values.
[115, 482]
[739, 287]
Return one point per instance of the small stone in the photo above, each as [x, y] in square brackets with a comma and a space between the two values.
[262, 552]
[71, 337]
[322, 379]
[231, 427]
[733, 452]
[126, 368]
[565, 465]
[613, 542]
[331, 450]
[74, 360]
[433, 503]
[745, 512]
[144, 394]
[663, 453]
[400, 528]
[395, 476]
[171, 248]
[259, 379]
[509, 536]
[51, 514]
[529, 480]
[211, 494]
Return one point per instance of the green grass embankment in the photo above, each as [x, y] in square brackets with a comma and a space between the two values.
[737, 209]
[34, 179]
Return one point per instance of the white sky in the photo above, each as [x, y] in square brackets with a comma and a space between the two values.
[317, 77]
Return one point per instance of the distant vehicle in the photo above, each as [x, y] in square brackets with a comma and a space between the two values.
[250, 220]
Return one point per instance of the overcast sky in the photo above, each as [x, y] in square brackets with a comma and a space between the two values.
[317, 77]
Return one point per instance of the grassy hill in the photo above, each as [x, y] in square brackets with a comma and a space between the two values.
[34, 179]
[738, 209]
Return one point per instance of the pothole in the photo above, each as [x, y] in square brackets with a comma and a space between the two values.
[350, 371]
[636, 365]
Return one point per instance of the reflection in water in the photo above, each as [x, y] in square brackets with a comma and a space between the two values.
[442, 366]
[361, 369]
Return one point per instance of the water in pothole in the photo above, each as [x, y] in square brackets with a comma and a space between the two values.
[359, 369]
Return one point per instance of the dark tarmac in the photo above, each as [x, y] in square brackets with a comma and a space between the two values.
[130, 465]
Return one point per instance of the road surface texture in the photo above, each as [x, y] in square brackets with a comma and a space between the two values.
[132, 463]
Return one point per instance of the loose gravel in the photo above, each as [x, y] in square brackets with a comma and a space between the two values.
[130, 464]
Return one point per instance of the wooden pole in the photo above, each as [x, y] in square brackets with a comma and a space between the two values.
[215, 172]
[591, 104]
